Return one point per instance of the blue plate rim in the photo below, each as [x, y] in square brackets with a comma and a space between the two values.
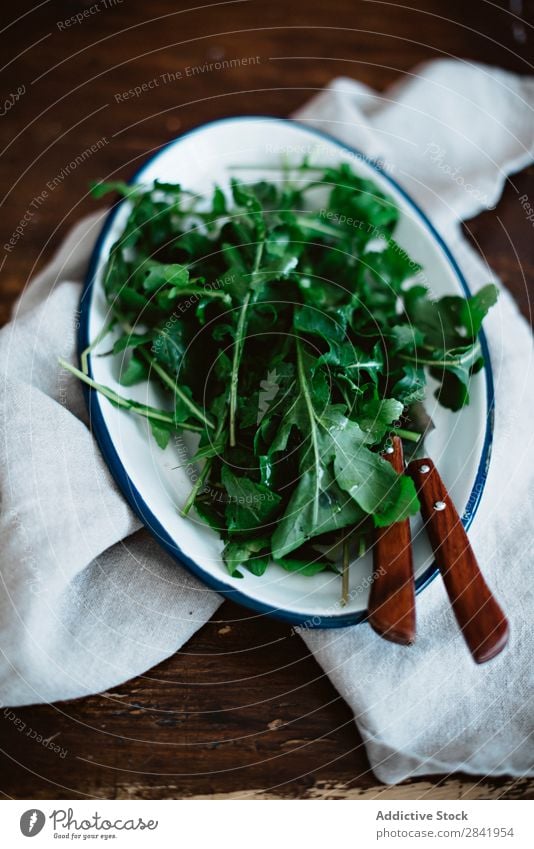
[124, 482]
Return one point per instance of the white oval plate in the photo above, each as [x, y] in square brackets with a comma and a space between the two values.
[149, 478]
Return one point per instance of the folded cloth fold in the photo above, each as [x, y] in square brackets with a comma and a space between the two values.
[88, 599]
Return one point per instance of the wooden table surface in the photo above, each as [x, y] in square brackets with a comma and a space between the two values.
[243, 710]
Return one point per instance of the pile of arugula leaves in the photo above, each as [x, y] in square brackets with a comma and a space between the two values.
[294, 339]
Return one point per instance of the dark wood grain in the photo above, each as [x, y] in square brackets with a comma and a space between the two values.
[242, 708]
[392, 595]
[483, 624]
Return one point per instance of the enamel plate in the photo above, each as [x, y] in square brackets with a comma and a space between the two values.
[155, 482]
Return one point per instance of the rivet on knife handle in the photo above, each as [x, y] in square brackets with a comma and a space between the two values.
[483, 624]
[392, 597]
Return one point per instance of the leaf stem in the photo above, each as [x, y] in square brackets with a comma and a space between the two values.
[166, 378]
[313, 425]
[410, 435]
[172, 384]
[203, 474]
[85, 353]
[238, 347]
[127, 403]
[196, 487]
[318, 227]
[236, 361]
[468, 356]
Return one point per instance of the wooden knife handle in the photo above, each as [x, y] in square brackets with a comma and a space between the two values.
[483, 624]
[392, 596]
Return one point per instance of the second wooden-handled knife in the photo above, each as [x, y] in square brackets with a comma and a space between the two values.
[392, 597]
[483, 624]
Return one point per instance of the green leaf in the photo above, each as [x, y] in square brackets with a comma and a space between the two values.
[391, 266]
[304, 567]
[161, 434]
[131, 340]
[376, 416]
[469, 313]
[359, 202]
[169, 346]
[155, 275]
[182, 411]
[411, 386]
[99, 189]
[254, 554]
[404, 337]
[373, 483]
[451, 322]
[250, 505]
[135, 372]
[218, 206]
[317, 506]
[399, 503]
[453, 391]
[312, 320]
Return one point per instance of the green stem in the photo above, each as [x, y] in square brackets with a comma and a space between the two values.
[167, 379]
[204, 293]
[469, 356]
[238, 348]
[363, 365]
[317, 226]
[410, 435]
[85, 353]
[127, 403]
[203, 474]
[196, 487]
[313, 426]
[236, 361]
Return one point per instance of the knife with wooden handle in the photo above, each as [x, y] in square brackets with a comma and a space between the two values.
[483, 624]
[391, 608]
